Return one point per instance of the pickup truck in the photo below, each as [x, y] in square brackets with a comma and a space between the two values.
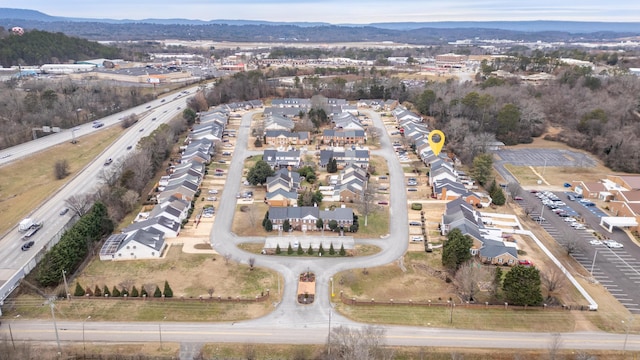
[32, 231]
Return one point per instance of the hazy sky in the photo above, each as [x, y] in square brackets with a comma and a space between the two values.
[341, 11]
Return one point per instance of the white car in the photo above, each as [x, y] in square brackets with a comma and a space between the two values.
[213, 191]
[580, 227]
[570, 219]
[417, 238]
[612, 244]
[595, 242]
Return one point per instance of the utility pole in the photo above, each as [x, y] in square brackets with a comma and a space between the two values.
[329, 335]
[55, 326]
[66, 286]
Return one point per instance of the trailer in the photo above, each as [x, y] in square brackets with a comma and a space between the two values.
[32, 231]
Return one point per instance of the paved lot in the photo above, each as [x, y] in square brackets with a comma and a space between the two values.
[545, 157]
[618, 270]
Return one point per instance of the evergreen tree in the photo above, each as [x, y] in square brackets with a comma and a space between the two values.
[456, 250]
[105, 291]
[319, 224]
[286, 226]
[167, 290]
[79, 291]
[310, 250]
[300, 251]
[124, 292]
[289, 250]
[521, 286]
[343, 252]
[265, 219]
[498, 197]
[157, 293]
[321, 250]
[143, 291]
[278, 251]
[269, 226]
[97, 291]
[134, 292]
[332, 251]
[115, 292]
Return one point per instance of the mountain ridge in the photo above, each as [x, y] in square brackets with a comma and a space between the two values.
[16, 15]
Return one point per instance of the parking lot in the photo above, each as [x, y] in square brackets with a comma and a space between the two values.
[545, 157]
[616, 268]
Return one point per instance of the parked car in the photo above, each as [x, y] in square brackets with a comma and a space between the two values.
[412, 189]
[525, 263]
[538, 218]
[415, 223]
[213, 191]
[612, 244]
[417, 238]
[580, 227]
[595, 242]
[383, 203]
[518, 198]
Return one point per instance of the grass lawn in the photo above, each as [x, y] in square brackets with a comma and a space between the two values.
[25, 184]
[377, 225]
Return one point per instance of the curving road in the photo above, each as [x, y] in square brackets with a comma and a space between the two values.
[294, 323]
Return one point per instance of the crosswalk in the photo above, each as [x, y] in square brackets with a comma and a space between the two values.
[615, 269]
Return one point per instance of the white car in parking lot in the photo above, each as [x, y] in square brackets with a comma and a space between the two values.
[595, 242]
[417, 238]
[612, 244]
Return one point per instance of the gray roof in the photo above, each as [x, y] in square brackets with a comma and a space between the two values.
[494, 248]
[283, 192]
[280, 121]
[162, 221]
[152, 238]
[282, 213]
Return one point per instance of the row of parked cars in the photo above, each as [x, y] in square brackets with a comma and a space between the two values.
[553, 202]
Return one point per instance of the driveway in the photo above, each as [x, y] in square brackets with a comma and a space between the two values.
[289, 313]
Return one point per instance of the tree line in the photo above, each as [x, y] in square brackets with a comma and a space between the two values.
[37, 47]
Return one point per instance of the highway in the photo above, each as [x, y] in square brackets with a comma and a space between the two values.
[290, 322]
[13, 261]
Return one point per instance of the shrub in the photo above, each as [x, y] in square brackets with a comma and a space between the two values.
[332, 251]
[278, 251]
[321, 250]
[79, 290]
[167, 290]
[157, 293]
[343, 252]
[143, 291]
[134, 292]
[105, 291]
[124, 292]
[310, 250]
[289, 249]
[115, 292]
[97, 291]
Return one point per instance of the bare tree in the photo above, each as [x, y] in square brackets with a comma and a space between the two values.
[555, 345]
[210, 291]
[80, 203]
[227, 257]
[553, 280]
[357, 344]
[467, 278]
[367, 202]
[514, 189]
[252, 263]
[61, 169]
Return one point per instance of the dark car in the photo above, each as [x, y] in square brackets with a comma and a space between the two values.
[64, 211]
[26, 246]
[129, 147]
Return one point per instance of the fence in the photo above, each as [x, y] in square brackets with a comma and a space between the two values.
[200, 299]
[505, 306]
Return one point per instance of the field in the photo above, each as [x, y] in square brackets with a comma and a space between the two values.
[189, 275]
[25, 184]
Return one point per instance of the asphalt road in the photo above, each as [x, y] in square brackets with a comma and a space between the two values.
[251, 332]
[12, 258]
[290, 322]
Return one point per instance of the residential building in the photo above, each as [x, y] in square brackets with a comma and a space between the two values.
[282, 159]
[304, 218]
[285, 138]
[343, 137]
[138, 245]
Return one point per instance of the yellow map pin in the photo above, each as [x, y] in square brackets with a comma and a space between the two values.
[436, 145]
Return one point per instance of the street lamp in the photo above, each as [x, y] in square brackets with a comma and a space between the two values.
[160, 331]
[626, 335]
[332, 294]
[593, 263]
[84, 347]
[13, 344]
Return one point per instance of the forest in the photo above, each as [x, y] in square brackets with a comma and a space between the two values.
[41, 47]
[587, 111]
